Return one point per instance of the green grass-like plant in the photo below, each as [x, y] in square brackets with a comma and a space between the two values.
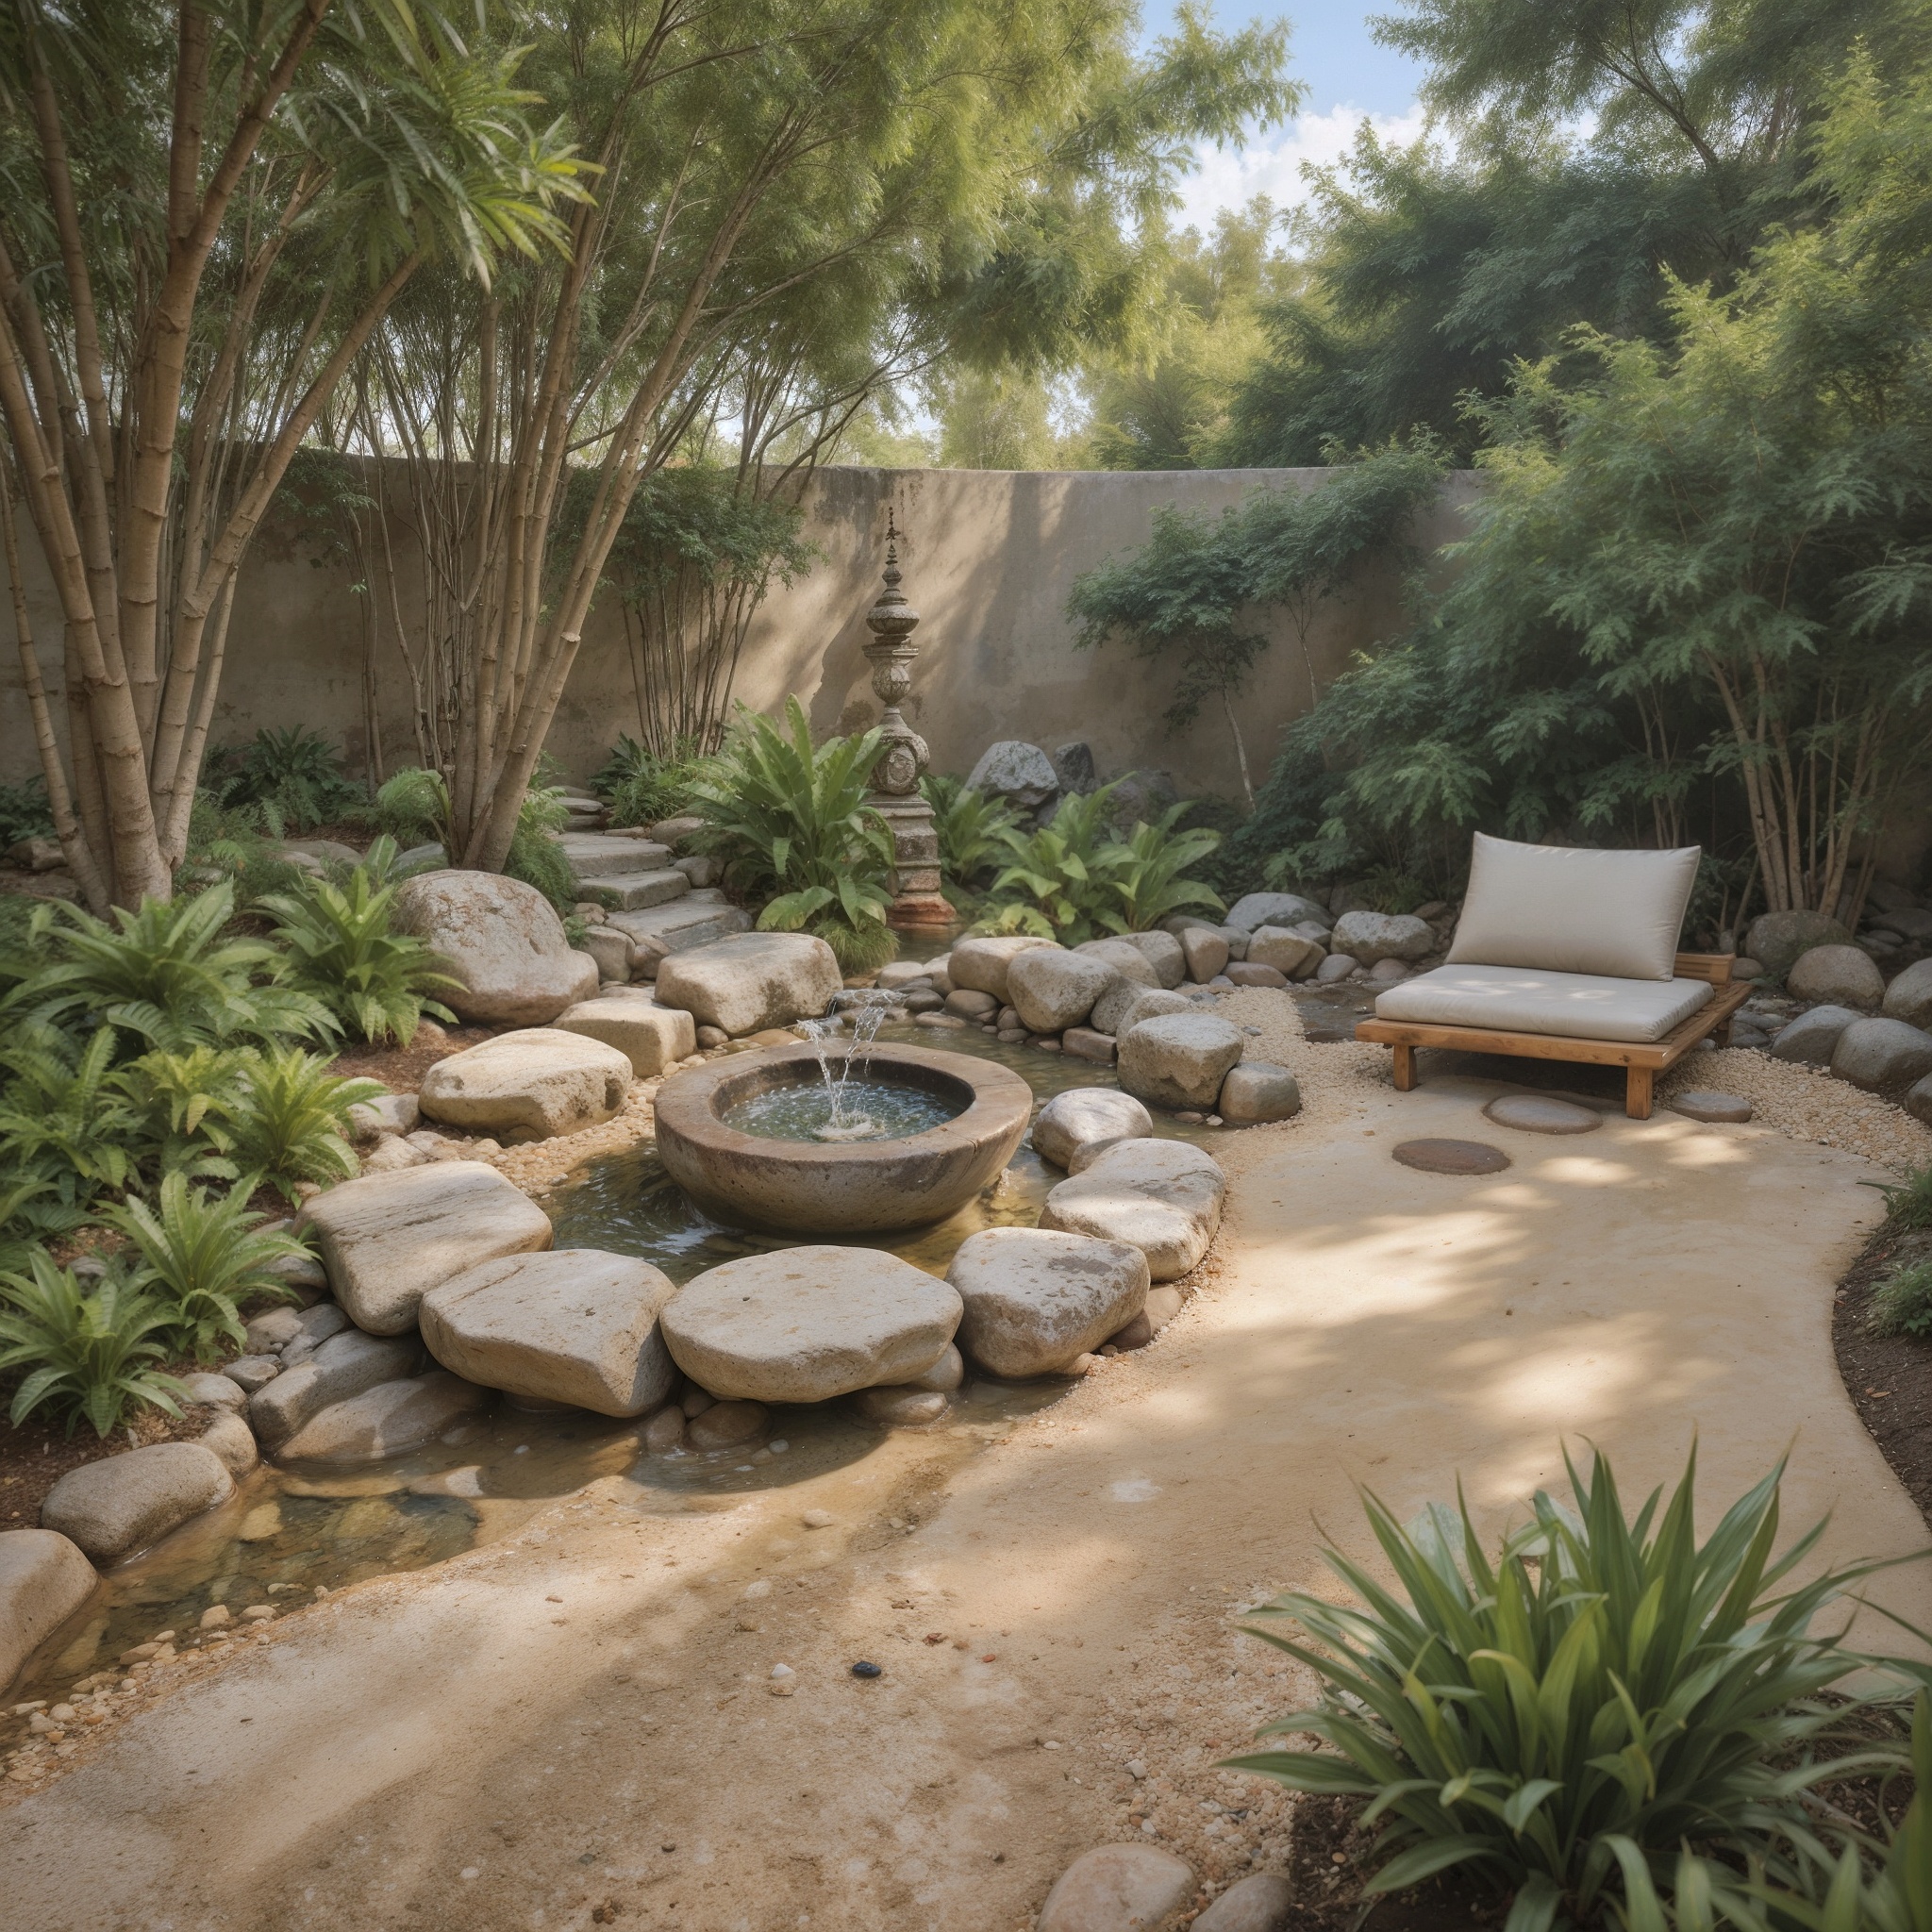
[1902, 1303]
[1606, 1688]
[341, 949]
[86, 1354]
[1908, 1203]
[640, 787]
[202, 1256]
[288, 1123]
[413, 809]
[791, 823]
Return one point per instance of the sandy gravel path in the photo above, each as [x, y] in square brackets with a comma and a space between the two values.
[575, 1726]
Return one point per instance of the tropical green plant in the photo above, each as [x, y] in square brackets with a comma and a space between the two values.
[972, 829]
[1054, 883]
[1902, 1303]
[32, 1212]
[24, 812]
[1144, 873]
[341, 948]
[1604, 1683]
[294, 776]
[86, 1354]
[791, 823]
[1909, 1202]
[413, 809]
[61, 1116]
[203, 1255]
[412, 806]
[641, 786]
[183, 1102]
[167, 975]
[288, 1123]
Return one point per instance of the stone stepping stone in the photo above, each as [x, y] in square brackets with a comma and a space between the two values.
[1702, 1105]
[1452, 1157]
[1036, 1298]
[1541, 1113]
[1160, 1196]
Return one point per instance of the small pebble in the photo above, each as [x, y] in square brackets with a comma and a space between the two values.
[816, 1519]
[864, 1668]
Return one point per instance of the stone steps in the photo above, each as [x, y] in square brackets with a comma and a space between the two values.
[634, 892]
[695, 920]
[603, 855]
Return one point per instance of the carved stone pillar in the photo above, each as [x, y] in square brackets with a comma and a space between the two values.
[917, 901]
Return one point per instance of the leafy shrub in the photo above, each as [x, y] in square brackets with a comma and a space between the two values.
[24, 812]
[294, 776]
[202, 1258]
[971, 831]
[183, 1102]
[535, 857]
[167, 975]
[32, 1210]
[413, 807]
[62, 1119]
[237, 845]
[86, 1355]
[1144, 872]
[341, 949]
[640, 787]
[1902, 1303]
[792, 825]
[288, 1125]
[1908, 1203]
[1604, 1691]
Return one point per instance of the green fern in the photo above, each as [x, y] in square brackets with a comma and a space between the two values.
[288, 1123]
[86, 1356]
[61, 1111]
[972, 830]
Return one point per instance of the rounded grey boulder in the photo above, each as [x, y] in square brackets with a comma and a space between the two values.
[502, 940]
[124, 1502]
[752, 980]
[1262, 1902]
[1019, 772]
[1162, 952]
[1055, 989]
[575, 1325]
[1777, 939]
[1116, 1888]
[1126, 958]
[1372, 936]
[387, 1420]
[1909, 996]
[43, 1579]
[1293, 955]
[1179, 1060]
[1086, 1119]
[1845, 974]
[982, 964]
[1126, 1004]
[804, 1325]
[1256, 1092]
[1812, 1038]
[1882, 1056]
[1205, 950]
[1035, 1298]
[1275, 909]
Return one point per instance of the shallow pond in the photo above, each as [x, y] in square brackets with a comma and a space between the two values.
[289, 1530]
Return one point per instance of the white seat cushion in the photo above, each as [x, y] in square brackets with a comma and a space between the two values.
[1565, 908]
[1573, 1006]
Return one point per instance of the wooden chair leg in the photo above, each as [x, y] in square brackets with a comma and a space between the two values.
[1638, 1082]
[1722, 1035]
[1405, 1068]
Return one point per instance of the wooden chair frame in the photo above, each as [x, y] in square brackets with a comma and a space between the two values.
[1643, 1060]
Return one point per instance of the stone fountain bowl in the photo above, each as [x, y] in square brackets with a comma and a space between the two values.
[851, 1186]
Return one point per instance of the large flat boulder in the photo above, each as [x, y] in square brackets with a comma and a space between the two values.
[608, 855]
[804, 1325]
[43, 1579]
[1118, 1888]
[573, 1325]
[388, 1420]
[1778, 939]
[124, 1502]
[1372, 936]
[1160, 1196]
[344, 1365]
[982, 965]
[755, 980]
[697, 919]
[1037, 1297]
[1845, 975]
[1179, 1060]
[652, 1037]
[502, 940]
[1881, 1055]
[1257, 909]
[1083, 1120]
[530, 1085]
[388, 1238]
[1052, 990]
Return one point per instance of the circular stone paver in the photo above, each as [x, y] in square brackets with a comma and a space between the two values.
[1705, 1106]
[1541, 1113]
[1452, 1157]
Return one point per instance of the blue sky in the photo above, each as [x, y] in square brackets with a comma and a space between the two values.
[1348, 77]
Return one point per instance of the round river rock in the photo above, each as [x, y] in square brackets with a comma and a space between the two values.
[1697, 1105]
[1541, 1113]
[1452, 1157]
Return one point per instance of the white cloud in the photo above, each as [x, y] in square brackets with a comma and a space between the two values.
[1230, 177]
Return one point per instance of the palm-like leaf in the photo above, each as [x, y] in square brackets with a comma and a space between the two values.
[287, 1126]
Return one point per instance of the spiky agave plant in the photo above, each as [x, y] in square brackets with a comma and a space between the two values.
[1605, 1688]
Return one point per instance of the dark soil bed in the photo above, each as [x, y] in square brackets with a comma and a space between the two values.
[401, 1067]
[1889, 1377]
[34, 1455]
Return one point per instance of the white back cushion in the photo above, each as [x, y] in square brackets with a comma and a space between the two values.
[1563, 909]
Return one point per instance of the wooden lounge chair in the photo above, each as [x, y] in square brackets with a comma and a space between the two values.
[1643, 1062]
[1565, 952]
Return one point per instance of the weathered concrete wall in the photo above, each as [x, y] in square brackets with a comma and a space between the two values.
[989, 556]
